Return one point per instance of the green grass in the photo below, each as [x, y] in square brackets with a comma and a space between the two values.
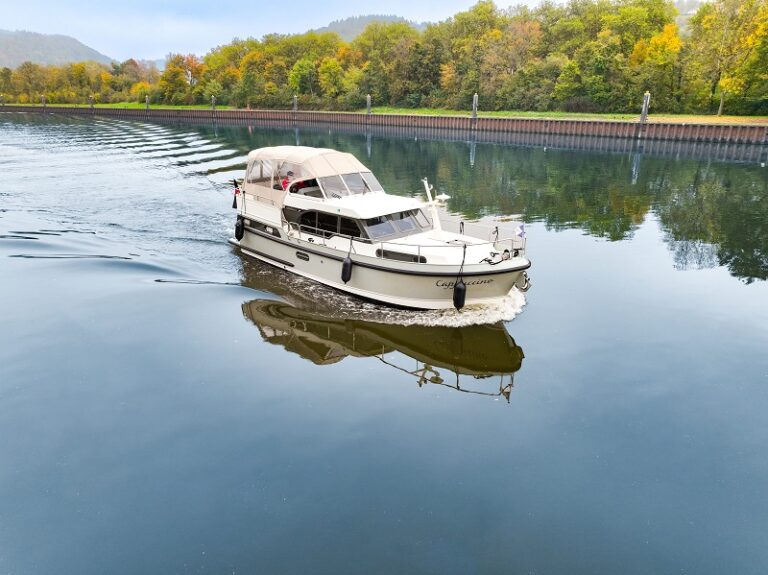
[682, 118]
[503, 114]
[675, 118]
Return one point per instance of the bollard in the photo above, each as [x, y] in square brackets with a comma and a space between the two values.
[295, 103]
[646, 104]
[474, 107]
[368, 104]
[146, 102]
[213, 102]
[43, 100]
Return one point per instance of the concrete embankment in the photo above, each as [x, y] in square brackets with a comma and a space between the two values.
[635, 130]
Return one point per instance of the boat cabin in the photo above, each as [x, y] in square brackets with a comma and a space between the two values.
[326, 193]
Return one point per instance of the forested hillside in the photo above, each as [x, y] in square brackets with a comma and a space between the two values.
[350, 28]
[584, 55]
[19, 47]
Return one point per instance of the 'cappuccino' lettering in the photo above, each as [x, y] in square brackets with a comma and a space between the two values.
[448, 284]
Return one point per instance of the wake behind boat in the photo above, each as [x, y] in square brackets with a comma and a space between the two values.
[322, 214]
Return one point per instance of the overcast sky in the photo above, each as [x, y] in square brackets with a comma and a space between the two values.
[150, 29]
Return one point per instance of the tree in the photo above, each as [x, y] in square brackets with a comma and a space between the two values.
[5, 80]
[655, 64]
[303, 77]
[174, 81]
[331, 77]
[28, 80]
[722, 39]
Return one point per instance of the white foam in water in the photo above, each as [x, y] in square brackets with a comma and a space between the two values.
[307, 294]
[505, 310]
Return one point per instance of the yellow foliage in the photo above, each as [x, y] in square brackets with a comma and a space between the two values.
[139, 90]
[661, 49]
[447, 76]
[639, 53]
[732, 85]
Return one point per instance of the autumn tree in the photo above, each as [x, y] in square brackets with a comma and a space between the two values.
[655, 66]
[724, 36]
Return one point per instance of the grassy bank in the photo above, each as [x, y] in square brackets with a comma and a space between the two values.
[677, 118]
[671, 118]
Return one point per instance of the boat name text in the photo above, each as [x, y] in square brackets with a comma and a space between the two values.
[449, 284]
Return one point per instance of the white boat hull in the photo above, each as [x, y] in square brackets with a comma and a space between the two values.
[404, 284]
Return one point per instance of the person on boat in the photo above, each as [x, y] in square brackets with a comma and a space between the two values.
[287, 180]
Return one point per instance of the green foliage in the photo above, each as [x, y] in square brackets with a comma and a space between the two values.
[578, 56]
[331, 77]
[303, 78]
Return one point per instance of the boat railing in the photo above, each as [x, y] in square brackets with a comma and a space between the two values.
[402, 251]
[514, 246]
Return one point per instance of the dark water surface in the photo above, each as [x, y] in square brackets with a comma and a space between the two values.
[167, 406]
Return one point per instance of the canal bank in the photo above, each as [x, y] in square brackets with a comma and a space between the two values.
[634, 130]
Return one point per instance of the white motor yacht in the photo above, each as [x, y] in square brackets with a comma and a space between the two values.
[322, 214]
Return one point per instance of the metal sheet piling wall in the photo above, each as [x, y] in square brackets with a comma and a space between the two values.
[651, 131]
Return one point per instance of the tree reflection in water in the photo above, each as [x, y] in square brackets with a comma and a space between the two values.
[711, 211]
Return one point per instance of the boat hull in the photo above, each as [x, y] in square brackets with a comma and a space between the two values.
[403, 284]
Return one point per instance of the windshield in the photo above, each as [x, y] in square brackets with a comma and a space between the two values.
[397, 224]
[338, 186]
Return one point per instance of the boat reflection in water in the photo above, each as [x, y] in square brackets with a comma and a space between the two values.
[478, 359]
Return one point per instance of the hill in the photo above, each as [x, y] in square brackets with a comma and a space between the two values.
[21, 46]
[350, 28]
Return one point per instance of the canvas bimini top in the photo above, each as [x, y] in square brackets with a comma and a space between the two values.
[312, 162]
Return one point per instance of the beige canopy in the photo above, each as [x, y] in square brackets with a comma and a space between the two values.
[314, 162]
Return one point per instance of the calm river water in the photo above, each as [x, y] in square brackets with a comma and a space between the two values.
[167, 406]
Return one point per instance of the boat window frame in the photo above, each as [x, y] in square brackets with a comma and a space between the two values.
[327, 191]
[316, 230]
[380, 188]
[259, 165]
[398, 232]
[369, 184]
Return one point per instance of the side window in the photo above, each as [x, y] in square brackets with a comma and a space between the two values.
[308, 222]
[266, 170]
[328, 223]
[349, 227]
[254, 172]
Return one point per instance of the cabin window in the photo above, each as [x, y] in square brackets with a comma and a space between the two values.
[397, 224]
[308, 222]
[421, 219]
[291, 215]
[371, 181]
[379, 227]
[328, 224]
[404, 221]
[333, 186]
[349, 227]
